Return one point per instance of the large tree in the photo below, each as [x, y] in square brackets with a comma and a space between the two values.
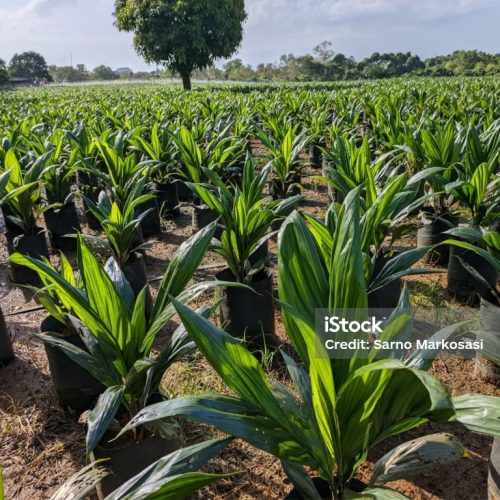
[79, 73]
[29, 65]
[105, 73]
[4, 75]
[184, 35]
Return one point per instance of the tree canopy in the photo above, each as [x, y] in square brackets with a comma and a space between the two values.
[183, 35]
[105, 73]
[4, 74]
[29, 65]
[326, 65]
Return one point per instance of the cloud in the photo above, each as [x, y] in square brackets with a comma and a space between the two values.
[32, 16]
[360, 27]
[300, 11]
[42, 8]
[356, 27]
[34, 9]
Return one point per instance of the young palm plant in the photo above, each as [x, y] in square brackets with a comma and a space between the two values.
[200, 159]
[60, 213]
[285, 150]
[173, 476]
[84, 159]
[19, 194]
[339, 409]
[438, 152]
[246, 216]
[316, 123]
[120, 223]
[200, 155]
[122, 168]
[349, 164]
[477, 186]
[478, 190]
[75, 388]
[116, 332]
[157, 145]
[124, 236]
[384, 219]
[473, 268]
[441, 150]
[478, 249]
[122, 176]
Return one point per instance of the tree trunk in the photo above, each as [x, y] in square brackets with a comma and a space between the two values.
[186, 81]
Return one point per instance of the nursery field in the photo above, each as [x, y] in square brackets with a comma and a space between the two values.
[162, 258]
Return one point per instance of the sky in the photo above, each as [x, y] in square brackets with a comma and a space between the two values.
[82, 31]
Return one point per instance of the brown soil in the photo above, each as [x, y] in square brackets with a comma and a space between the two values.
[41, 446]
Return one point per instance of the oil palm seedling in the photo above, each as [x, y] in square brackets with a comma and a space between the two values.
[440, 149]
[316, 122]
[122, 176]
[295, 105]
[173, 476]
[199, 155]
[75, 388]
[157, 145]
[349, 164]
[412, 147]
[244, 123]
[472, 271]
[246, 217]
[384, 209]
[19, 193]
[383, 222]
[391, 122]
[60, 213]
[284, 147]
[239, 145]
[478, 190]
[124, 239]
[199, 161]
[118, 337]
[477, 184]
[339, 408]
[478, 253]
[85, 160]
[383, 216]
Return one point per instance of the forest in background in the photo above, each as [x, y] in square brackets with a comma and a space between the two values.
[323, 65]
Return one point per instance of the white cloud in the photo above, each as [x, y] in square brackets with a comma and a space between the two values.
[43, 8]
[274, 27]
[299, 11]
[360, 27]
[34, 10]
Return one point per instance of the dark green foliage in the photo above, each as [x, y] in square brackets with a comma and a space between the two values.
[327, 65]
[29, 65]
[4, 75]
[105, 73]
[182, 35]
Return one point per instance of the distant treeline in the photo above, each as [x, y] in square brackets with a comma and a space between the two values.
[80, 73]
[31, 67]
[324, 65]
[327, 65]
